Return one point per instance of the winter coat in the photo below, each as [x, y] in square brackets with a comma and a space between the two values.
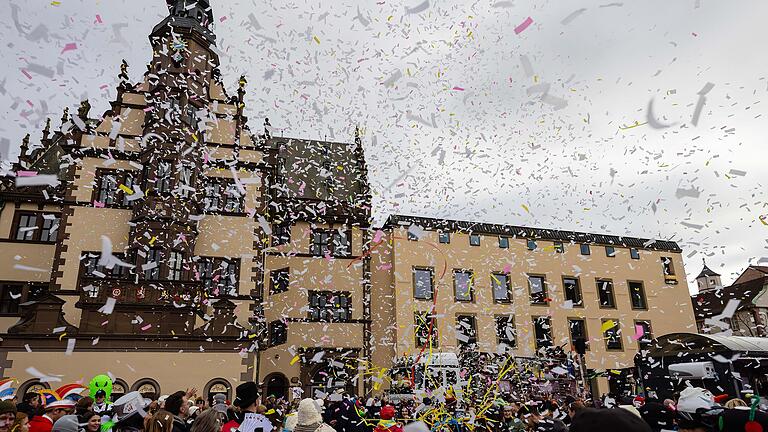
[179, 425]
[40, 424]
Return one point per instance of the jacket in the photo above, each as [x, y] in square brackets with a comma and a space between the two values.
[40, 424]
[179, 425]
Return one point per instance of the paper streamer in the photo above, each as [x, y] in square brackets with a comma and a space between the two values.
[523, 25]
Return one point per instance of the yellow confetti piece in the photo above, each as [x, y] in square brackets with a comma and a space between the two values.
[272, 411]
[55, 3]
[152, 241]
[607, 326]
[294, 360]
[126, 189]
[317, 39]
[763, 218]
[525, 207]
[62, 335]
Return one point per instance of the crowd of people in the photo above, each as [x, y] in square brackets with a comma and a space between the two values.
[693, 410]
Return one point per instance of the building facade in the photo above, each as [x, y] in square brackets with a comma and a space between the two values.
[166, 243]
[740, 309]
[515, 290]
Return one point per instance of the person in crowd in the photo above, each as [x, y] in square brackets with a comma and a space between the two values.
[246, 400]
[31, 405]
[574, 408]
[613, 420]
[207, 421]
[162, 421]
[67, 423]
[697, 410]
[177, 404]
[7, 415]
[90, 421]
[200, 404]
[130, 412]
[192, 414]
[100, 404]
[21, 424]
[388, 422]
[735, 403]
[737, 420]
[83, 405]
[509, 421]
[658, 416]
[308, 418]
[53, 411]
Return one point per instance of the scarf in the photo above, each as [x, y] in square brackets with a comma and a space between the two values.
[385, 424]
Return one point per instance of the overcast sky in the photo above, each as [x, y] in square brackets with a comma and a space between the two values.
[464, 118]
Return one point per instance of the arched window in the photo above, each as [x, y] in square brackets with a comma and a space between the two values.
[148, 388]
[119, 388]
[33, 385]
[276, 384]
[217, 386]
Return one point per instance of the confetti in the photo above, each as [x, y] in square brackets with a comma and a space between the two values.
[523, 25]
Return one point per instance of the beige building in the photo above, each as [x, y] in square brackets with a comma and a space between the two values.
[165, 243]
[508, 289]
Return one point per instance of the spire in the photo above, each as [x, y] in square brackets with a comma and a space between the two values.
[47, 130]
[706, 271]
[192, 15]
[24, 156]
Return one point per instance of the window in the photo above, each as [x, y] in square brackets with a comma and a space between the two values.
[281, 234]
[278, 281]
[637, 295]
[151, 267]
[669, 269]
[503, 242]
[462, 285]
[278, 333]
[466, 330]
[175, 266]
[474, 239]
[163, 179]
[584, 249]
[505, 330]
[425, 330]
[612, 335]
[335, 243]
[572, 290]
[646, 338]
[219, 275]
[531, 244]
[542, 330]
[10, 299]
[412, 236]
[330, 306]
[212, 198]
[578, 329]
[559, 248]
[184, 187]
[634, 253]
[341, 243]
[501, 288]
[444, 237]
[423, 283]
[92, 269]
[537, 290]
[610, 251]
[39, 227]
[605, 293]
[107, 189]
[233, 199]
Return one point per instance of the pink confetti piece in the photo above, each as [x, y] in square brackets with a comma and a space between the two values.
[386, 266]
[69, 47]
[639, 332]
[377, 237]
[26, 173]
[98, 204]
[458, 88]
[26, 74]
[507, 268]
[222, 19]
[98, 19]
[148, 109]
[104, 87]
[523, 25]
[146, 327]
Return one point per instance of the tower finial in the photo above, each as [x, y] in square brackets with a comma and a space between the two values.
[65, 116]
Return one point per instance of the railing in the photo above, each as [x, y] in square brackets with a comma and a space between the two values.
[161, 293]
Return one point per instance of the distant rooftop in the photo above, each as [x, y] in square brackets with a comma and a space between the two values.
[532, 233]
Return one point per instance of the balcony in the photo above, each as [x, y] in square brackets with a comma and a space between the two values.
[177, 294]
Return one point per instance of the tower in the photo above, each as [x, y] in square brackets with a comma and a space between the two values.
[708, 280]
